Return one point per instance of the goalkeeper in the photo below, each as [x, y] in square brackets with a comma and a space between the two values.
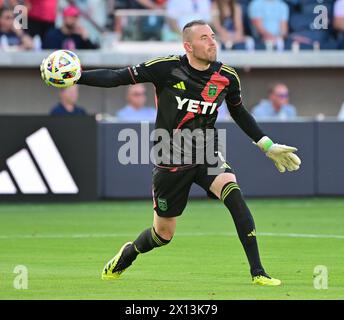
[188, 90]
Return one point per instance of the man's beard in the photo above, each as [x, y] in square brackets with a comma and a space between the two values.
[207, 58]
[213, 56]
[70, 27]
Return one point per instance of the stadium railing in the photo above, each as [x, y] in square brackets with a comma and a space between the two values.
[131, 53]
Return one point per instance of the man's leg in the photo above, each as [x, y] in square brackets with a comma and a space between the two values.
[225, 188]
[158, 235]
[170, 194]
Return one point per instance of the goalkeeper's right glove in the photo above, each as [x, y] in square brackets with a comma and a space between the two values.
[283, 156]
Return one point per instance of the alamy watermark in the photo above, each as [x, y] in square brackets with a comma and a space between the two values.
[21, 277]
[179, 147]
[320, 277]
[321, 21]
[21, 281]
[20, 17]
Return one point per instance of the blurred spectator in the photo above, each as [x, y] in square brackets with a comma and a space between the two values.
[309, 28]
[67, 105]
[228, 22]
[150, 27]
[10, 4]
[180, 12]
[42, 15]
[71, 35]
[94, 16]
[277, 105]
[143, 27]
[269, 21]
[338, 21]
[10, 37]
[135, 110]
[341, 113]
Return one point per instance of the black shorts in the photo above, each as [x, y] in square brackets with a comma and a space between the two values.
[171, 187]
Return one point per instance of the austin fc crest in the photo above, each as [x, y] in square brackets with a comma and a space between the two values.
[162, 204]
[212, 90]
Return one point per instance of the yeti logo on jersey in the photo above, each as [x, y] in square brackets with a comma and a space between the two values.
[196, 106]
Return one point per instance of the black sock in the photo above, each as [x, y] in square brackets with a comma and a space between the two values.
[145, 242]
[149, 240]
[244, 223]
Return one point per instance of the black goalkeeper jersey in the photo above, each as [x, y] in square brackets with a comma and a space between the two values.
[186, 98]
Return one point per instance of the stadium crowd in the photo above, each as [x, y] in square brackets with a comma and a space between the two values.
[239, 24]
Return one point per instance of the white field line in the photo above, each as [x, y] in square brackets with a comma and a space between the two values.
[199, 204]
[180, 234]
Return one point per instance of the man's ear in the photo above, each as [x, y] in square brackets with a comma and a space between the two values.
[187, 46]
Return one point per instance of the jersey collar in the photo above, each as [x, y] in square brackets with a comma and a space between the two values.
[209, 71]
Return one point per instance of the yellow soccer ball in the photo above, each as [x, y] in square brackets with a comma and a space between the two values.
[61, 69]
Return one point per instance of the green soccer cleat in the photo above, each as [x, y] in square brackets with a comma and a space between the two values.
[114, 268]
[265, 280]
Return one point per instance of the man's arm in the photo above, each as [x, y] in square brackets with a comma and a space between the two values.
[173, 24]
[338, 23]
[153, 71]
[237, 110]
[283, 156]
[284, 29]
[173, 11]
[255, 13]
[246, 121]
[106, 78]
[258, 24]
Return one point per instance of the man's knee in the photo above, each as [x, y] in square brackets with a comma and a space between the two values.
[164, 227]
[220, 181]
[165, 233]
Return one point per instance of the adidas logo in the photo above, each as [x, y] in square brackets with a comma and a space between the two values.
[252, 233]
[180, 85]
[37, 169]
[225, 166]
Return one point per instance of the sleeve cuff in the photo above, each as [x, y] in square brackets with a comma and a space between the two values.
[265, 143]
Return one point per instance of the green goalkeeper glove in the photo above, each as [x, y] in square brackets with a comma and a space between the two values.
[283, 156]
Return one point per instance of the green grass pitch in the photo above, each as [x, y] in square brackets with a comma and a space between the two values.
[65, 246]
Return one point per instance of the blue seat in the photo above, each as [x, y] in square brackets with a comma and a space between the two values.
[310, 2]
[300, 21]
[330, 44]
[314, 35]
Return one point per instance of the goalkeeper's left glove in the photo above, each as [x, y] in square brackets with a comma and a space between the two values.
[283, 156]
